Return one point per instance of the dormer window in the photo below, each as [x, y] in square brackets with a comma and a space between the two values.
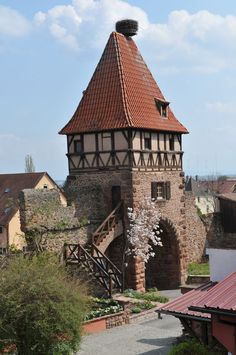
[162, 107]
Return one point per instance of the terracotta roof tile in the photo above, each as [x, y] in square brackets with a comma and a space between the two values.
[121, 94]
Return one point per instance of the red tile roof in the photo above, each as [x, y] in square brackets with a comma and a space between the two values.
[219, 186]
[121, 94]
[10, 187]
[180, 306]
[221, 297]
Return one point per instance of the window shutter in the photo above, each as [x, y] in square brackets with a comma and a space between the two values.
[154, 190]
[168, 191]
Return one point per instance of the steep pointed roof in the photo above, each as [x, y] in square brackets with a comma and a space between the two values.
[121, 94]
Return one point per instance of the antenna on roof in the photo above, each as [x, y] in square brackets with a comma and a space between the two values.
[127, 27]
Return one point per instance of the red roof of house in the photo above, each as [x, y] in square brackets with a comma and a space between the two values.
[121, 94]
[221, 297]
[10, 187]
[180, 306]
[219, 186]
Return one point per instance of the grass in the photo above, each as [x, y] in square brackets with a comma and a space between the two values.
[151, 295]
[198, 269]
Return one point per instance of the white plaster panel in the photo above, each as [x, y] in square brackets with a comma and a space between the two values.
[222, 262]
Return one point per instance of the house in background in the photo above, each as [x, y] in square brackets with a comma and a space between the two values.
[206, 192]
[10, 187]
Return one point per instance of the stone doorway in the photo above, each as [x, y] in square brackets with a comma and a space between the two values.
[163, 270]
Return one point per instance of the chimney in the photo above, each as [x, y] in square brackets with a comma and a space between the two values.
[127, 27]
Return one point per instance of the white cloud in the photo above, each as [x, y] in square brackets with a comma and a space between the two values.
[200, 42]
[221, 107]
[88, 21]
[12, 23]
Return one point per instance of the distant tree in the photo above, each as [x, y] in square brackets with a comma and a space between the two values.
[29, 164]
[41, 308]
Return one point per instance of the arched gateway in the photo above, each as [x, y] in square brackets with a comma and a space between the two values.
[163, 270]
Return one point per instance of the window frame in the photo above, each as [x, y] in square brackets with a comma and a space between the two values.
[162, 107]
[104, 136]
[172, 142]
[160, 190]
[78, 142]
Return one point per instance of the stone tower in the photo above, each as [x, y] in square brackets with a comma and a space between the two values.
[125, 144]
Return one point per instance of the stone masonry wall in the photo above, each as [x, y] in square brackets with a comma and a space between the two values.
[92, 195]
[172, 211]
[44, 220]
[216, 237]
[195, 230]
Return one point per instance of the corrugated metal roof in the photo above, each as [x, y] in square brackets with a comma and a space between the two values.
[180, 306]
[220, 297]
[121, 94]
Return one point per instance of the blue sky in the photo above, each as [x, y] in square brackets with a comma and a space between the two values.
[49, 49]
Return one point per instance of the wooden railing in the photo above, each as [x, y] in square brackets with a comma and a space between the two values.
[108, 224]
[109, 276]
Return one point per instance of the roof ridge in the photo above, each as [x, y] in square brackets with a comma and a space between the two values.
[121, 74]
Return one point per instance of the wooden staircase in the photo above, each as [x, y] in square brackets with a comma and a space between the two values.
[109, 229]
[93, 257]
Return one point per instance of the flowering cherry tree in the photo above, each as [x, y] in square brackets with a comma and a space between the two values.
[144, 231]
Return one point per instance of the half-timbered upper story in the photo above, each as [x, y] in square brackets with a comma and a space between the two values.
[123, 120]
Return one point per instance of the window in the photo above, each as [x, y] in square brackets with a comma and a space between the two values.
[162, 107]
[147, 143]
[160, 190]
[78, 148]
[1, 229]
[147, 140]
[172, 142]
[45, 186]
[106, 141]
[3, 251]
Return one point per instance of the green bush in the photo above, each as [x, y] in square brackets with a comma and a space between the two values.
[137, 307]
[192, 347]
[41, 308]
[152, 295]
[198, 269]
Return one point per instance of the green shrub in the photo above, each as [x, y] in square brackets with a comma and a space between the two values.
[198, 269]
[192, 347]
[151, 295]
[41, 308]
[135, 310]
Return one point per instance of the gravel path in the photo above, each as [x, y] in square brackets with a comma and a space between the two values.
[144, 337]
